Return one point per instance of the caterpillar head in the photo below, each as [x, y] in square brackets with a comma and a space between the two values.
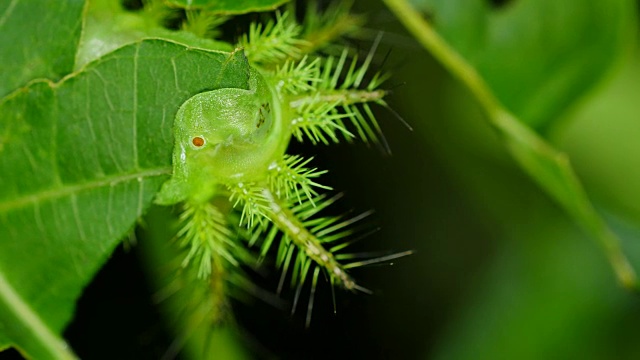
[225, 135]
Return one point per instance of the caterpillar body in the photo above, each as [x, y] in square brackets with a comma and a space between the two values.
[230, 153]
[232, 137]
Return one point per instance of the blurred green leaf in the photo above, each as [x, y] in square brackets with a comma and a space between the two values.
[229, 6]
[80, 161]
[541, 161]
[537, 302]
[37, 49]
[602, 139]
[537, 56]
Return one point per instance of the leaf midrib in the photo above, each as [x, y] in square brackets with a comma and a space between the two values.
[13, 303]
[67, 190]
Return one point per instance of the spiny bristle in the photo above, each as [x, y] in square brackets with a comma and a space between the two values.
[295, 77]
[379, 260]
[321, 28]
[273, 42]
[290, 176]
[250, 197]
[205, 236]
[320, 123]
[203, 24]
[340, 96]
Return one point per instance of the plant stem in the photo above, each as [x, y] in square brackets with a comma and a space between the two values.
[543, 162]
[449, 58]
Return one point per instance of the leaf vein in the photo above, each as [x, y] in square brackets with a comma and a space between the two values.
[30, 320]
[135, 107]
[25, 200]
[38, 217]
[8, 12]
[110, 145]
[140, 197]
[76, 217]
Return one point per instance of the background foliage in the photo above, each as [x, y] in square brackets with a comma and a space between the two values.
[501, 270]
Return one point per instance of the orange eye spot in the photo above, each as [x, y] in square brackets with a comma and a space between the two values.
[197, 141]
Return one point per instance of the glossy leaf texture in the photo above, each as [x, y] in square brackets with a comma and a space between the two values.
[44, 48]
[537, 56]
[80, 161]
[469, 59]
[229, 6]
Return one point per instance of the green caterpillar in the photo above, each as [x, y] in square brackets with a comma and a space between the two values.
[235, 137]
[229, 153]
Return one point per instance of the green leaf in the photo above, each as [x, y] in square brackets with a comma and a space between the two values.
[535, 302]
[537, 56]
[80, 161]
[229, 6]
[37, 49]
[547, 166]
[108, 26]
[602, 139]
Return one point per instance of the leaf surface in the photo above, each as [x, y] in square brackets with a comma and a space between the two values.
[80, 161]
[44, 48]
